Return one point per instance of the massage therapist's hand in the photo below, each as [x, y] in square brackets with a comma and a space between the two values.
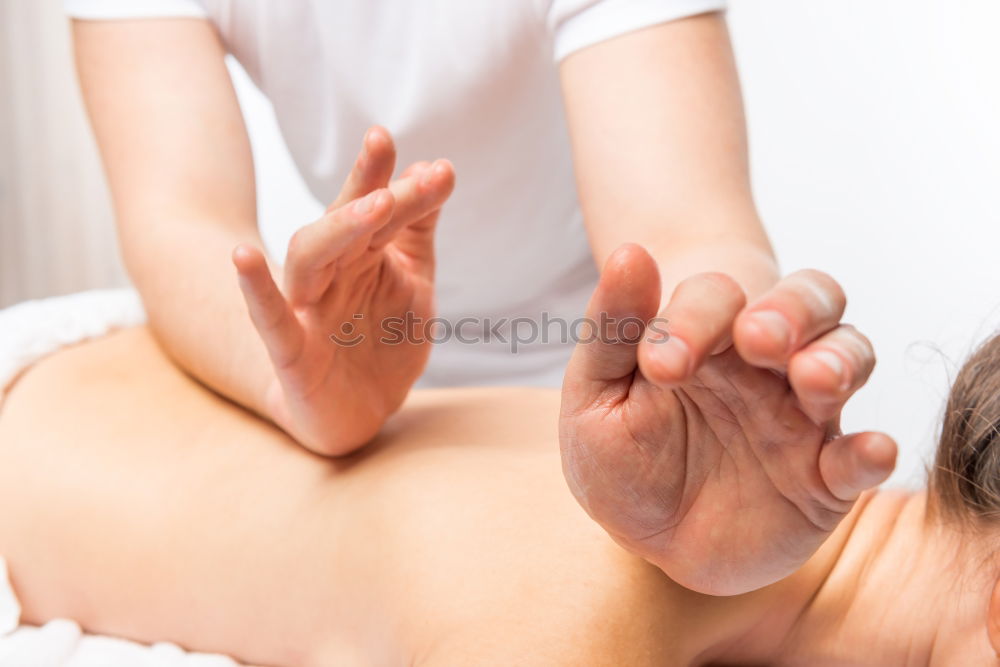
[716, 453]
[370, 257]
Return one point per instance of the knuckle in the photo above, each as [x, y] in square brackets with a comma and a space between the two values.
[859, 338]
[862, 350]
[856, 348]
[821, 289]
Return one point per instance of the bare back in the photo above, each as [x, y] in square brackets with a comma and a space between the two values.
[451, 539]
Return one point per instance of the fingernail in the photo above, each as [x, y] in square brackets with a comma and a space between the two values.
[833, 361]
[366, 203]
[675, 357]
[775, 325]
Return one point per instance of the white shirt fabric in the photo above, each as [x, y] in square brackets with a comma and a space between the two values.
[475, 81]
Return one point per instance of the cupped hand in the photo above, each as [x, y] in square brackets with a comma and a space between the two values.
[345, 335]
[709, 442]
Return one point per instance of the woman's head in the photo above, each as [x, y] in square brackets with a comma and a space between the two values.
[965, 481]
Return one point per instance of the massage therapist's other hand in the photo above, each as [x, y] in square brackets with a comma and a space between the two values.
[716, 453]
[369, 258]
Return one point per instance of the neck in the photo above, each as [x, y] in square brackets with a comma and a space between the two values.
[886, 589]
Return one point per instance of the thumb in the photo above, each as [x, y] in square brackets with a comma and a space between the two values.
[270, 312]
[626, 298]
[857, 462]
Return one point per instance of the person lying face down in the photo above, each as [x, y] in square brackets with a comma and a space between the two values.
[141, 504]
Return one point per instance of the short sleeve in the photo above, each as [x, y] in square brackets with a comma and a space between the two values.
[133, 9]
[575, 24]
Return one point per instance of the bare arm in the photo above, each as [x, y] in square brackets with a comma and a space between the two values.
[181, 172]
[179, 165]
[660, 150]
[661, 157]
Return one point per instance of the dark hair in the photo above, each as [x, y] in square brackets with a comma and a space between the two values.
[965, 481]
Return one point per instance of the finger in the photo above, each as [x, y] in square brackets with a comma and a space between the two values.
[625, 299]
[854, 463]
[829, 370]
[801, 307]
[416, 240]
[314, 248]
[270, 313]
[698, 320]
[417, 197]
[372, 169]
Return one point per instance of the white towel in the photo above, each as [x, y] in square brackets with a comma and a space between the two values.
[34, 329]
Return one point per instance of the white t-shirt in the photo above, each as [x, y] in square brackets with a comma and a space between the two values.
[475, 81]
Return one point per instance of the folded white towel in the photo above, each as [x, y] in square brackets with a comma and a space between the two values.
[34, 329]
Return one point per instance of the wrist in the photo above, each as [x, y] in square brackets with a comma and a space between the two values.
[751, 264]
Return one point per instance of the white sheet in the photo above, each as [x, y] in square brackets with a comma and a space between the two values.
[28, 332]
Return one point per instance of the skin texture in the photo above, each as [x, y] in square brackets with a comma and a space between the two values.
[153, 509]
[452, 540]
[683, 457]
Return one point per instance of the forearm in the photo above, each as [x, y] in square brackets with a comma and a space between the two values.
[660, 145]
[195, 309]
[180, 170]
[749, 261]
[723, 234]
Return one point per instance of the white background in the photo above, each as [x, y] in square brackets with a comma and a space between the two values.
[876, 157]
